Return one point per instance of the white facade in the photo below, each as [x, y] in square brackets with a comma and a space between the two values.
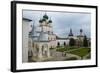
[62, 41]
[26, 26]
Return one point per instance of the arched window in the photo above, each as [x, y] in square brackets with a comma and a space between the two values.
[64, 43]
[58, 44]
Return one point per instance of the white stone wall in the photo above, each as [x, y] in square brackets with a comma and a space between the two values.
[61, 41]
[53, 44]
[26, 29]
[42, 50]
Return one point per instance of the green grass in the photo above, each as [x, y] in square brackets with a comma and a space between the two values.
[64, 49]
[61, 49]
[81, 52]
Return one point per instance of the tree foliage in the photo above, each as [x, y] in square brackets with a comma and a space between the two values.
[85, 42]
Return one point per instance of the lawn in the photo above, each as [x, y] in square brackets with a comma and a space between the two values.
[78, 51]
[63, 49]
[81, 52]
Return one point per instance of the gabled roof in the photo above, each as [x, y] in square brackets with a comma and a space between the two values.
[26, 19]
[59, 38]
[62, 38]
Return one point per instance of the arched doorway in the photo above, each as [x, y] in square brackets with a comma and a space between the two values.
[58, 44]
[64, 44]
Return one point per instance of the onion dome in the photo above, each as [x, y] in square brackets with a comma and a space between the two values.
[45, 16]
[40, 21]
[50, 21]
[43, 19]
[81, 30]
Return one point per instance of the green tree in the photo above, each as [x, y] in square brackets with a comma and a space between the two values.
[72, 42]
[85, 41]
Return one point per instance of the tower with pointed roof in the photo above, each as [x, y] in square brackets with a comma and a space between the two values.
[80, 37]
[70, 35]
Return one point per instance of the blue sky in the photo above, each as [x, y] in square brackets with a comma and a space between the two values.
[63, 21]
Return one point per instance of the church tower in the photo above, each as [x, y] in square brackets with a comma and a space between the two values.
[45, 31]
[43, 38]
[70, 34]
[45, 24]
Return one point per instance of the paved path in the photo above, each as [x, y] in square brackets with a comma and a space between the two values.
[85, 57]
[68, 55]
[73, 49]
[62, 56]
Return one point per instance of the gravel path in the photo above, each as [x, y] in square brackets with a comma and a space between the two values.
[62, 56]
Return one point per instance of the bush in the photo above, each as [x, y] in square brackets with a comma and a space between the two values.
[85, 42]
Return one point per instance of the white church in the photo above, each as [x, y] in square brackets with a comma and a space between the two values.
[37, 43]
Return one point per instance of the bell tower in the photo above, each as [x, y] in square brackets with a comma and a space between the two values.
[70, 33]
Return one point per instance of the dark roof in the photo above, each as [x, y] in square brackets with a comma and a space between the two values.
[70, 33]
[80, 36]
[45, 16]
[43, 41]
[41, 20]
[50, 21]
[62, 38]
[59, 38]
[27, 19]
[81, 30]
